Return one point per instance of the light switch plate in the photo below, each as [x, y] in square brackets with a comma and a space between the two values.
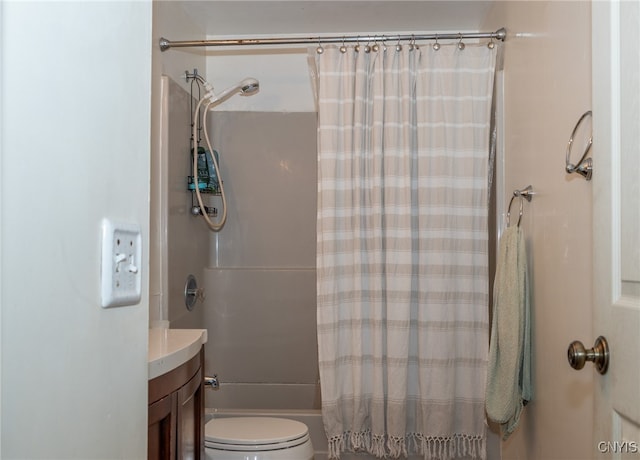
[121, 264]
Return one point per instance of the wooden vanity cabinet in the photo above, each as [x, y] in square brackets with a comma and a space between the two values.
[176, 412]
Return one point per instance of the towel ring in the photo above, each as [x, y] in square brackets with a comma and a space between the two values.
[584, 167]
[524, 194]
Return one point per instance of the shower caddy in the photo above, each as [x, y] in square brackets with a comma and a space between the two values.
[207, 184]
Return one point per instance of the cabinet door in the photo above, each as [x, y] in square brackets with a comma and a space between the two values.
[161, 441]
[191, 418]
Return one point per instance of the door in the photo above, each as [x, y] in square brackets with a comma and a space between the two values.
[616, 223]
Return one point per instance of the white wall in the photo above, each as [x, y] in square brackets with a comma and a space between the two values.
[75, 149]
[170, 21]
[547, 88]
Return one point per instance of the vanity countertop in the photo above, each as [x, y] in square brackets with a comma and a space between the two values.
[169, 348]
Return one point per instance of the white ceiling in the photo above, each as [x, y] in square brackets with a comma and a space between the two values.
[239, 18]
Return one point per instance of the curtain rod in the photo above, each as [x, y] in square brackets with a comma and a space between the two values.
[165, 44]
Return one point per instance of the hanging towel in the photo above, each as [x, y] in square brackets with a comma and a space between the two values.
[509, 369]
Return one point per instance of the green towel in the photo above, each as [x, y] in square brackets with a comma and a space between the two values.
[509, 369]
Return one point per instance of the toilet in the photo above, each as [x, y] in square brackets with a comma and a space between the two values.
[256, 438]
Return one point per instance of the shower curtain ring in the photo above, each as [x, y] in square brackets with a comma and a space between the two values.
[491, 44]
[461, 45]
[367, 48]
[436, 45]
[398, 46]
[375, 46]
[343, 49]
[319, 49]
[357, 47]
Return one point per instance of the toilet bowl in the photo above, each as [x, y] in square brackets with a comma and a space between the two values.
[257, 438]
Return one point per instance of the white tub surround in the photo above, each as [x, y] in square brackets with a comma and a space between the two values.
[169, 348]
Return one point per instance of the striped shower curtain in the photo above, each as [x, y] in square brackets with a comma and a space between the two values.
[402, 247]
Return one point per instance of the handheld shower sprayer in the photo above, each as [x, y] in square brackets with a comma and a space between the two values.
[246, 87]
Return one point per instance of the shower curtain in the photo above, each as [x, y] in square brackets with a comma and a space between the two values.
[402, 242]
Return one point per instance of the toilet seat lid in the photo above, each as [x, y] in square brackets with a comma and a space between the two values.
[255, 431]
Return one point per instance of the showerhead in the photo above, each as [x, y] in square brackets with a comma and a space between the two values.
[246, 87]
[249, 86]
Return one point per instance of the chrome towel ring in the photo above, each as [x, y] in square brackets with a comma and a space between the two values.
[584, 167]
[524, 194]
